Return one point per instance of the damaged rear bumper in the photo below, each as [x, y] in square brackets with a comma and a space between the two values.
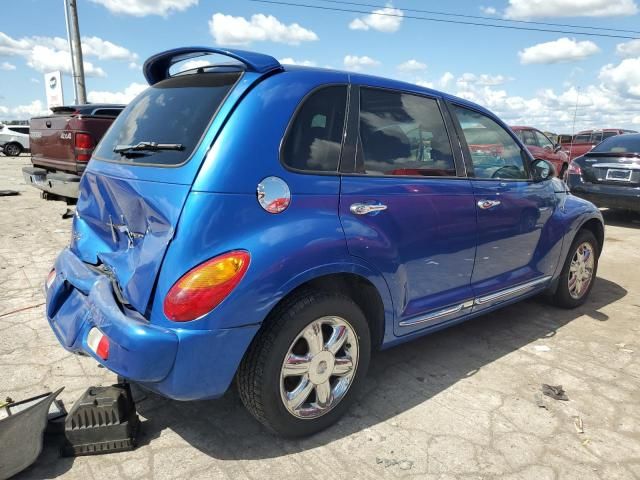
[179, 363]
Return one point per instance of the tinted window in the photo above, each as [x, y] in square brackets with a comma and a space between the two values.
[24, 130]
[494, 153]
[529, 138]
[107, 112]
[543, 141]
[314, 139]
[619, 144]
[582, 138]
[609, 134]
[402, 134]
[176, 110]
[596, 137]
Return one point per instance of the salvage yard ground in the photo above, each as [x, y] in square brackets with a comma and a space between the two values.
[462, 403]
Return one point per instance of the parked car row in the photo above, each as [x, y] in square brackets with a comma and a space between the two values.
[273, 225]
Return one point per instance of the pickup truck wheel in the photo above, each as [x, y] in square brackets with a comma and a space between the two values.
[303, 371]
[579, 271]
[12, 149]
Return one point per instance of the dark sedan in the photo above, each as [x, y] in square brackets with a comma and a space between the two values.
[609, 175]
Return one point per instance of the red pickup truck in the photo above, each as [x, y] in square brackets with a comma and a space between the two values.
[61, 146]
[582, 142]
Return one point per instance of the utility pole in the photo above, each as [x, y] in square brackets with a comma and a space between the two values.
[73, 34]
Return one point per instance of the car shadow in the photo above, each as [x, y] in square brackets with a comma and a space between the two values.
[399, 379]
[621, 218]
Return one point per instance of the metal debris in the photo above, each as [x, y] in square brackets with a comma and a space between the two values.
[554, 391]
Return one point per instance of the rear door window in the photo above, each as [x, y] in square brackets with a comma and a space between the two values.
[494, 153]
[314, 140]
[176, 111]
[582, 138]
[402, 134]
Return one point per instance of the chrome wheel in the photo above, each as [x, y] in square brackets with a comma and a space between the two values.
[581, 270]
[319, 367]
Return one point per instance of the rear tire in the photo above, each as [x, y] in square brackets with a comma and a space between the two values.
[579, 271]
[12, 149]
[316, 385]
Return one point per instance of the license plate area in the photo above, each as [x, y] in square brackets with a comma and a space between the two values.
[618, 175]
[37, 179]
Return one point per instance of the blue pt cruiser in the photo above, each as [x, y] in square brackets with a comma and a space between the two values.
[274, 225]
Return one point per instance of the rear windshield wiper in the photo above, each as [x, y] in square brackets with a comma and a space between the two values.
[147, 147]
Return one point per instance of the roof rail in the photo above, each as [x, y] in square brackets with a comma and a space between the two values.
[156, 68]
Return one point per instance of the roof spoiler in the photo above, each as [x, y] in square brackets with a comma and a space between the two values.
[156, 68]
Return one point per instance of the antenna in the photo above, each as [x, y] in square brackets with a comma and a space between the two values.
[573, 128]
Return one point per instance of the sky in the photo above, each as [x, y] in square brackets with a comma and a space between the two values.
[526, 77]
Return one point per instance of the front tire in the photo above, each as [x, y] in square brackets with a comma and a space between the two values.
[579, 271]
[303, 371]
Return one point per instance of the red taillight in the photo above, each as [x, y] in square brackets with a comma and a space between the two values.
[574, 169]
[50, 278]
[98, 342]
[203, 288]
[84, 145]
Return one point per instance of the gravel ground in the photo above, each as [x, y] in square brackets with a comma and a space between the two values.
[463, 403]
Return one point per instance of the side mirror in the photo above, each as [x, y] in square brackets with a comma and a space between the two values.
[542, 170]
[557, 147]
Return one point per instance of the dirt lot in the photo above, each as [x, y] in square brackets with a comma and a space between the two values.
[462, 403]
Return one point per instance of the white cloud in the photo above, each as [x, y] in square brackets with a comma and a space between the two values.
[23, 112]
[230, 30]
[355, 63]
[141, 8]
[411, 66]
[7, 66]
[45, 59]
[524, 9]
[386, 19]
[446, 79]
[561, 50]
[624, 77]
[105, 50]
[52, 53]
[291, 61]
[629, 49]
[489, 10]
[481, 80]
[125, 96]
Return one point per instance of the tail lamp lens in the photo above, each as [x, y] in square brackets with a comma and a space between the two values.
[574, 168]
[98, 342]
[50, 278]
[203, 288]
[84, 143]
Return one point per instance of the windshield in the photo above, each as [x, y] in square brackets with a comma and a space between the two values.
[629, 143]
[174, 111]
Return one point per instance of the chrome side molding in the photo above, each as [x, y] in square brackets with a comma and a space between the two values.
[511, 291]
[445, 312]
[433, 317]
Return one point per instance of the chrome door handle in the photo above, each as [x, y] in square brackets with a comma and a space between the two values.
[365, 208]
[487, 204]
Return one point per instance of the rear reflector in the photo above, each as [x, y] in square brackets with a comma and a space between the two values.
[202, 289]
[50, 278]
[98, 342]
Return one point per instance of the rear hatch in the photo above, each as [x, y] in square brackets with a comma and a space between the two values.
[133, 191]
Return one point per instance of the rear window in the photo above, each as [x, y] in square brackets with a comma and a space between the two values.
[629, 143]
[177, 110]
[314, 140]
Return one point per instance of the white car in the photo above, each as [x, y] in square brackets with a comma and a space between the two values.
[14, 139]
